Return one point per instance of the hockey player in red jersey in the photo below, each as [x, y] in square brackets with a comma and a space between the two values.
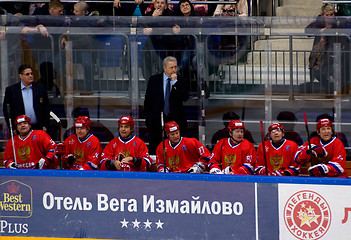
[327, 152]
[33, 148]
[182, 155]
[126, 152]
[82, 150]
[280, 154]
[233, 155]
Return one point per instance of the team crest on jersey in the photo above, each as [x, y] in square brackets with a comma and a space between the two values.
[79, 154]
[276, 161]
[125, 153]
[23, 153]
[229, 159]
[173, 162]
[307, 215]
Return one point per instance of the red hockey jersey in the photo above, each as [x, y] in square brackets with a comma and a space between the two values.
[241, 156]
[38, 144]
[87, 153]
[278, 159]
[335, 159]
[181, 157]
[117, 149]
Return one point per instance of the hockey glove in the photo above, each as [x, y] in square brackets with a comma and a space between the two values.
[163, 170]
[110, 165]
[40, 164]
[215, 171]
[198, 167]
[278, 172]
[318, 170]
[60, 149]
[317, 150]
[261, 171]
[227, 170]
[13, 165]
[70, 159]
[241, 171]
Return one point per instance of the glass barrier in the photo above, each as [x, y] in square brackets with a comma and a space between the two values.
[249, 68]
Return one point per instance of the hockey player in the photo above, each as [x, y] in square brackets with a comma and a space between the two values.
[33, 148]
[327, 154]
[82, 150]
[182, 155]
[126, 152]
[233, 155]
[280, 154]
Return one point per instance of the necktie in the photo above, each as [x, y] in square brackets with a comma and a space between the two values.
[168, 92]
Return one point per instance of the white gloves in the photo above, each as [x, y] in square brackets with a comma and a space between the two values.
[198, 167]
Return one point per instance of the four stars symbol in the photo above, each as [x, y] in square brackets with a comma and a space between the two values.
[136, 224]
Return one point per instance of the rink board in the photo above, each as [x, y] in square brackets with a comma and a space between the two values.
[113, 205]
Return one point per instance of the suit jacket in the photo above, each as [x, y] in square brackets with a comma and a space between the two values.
[13, 96]
[154, 101]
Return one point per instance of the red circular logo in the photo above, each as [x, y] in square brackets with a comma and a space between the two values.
[307, 215]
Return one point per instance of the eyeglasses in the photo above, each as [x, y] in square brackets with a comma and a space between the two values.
[185, 5]
[27, 74]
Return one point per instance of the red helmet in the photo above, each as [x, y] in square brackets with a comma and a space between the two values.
[235, 124]
[82, 121]
[324, 122]
[126, 120]
[275, 126]
[171, 126]
[22, 118]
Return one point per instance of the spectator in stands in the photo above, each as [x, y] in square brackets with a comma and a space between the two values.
[80, 8]
[239, 9]
[33, 148]
[29, 98]
[138, 8]
[157, 47]
[325, 152]
[96, 128]
[233, 48]
[165, 93]
[53, 8]
[278, 157]
[289, 120]
[82, 150]
[127, 152]
[185, 8]
[233, 155]
[321, 60]
[224, 132]
[185, 43]
[181, 154]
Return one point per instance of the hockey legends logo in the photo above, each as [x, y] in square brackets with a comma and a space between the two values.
[307, 215]
[15, 200]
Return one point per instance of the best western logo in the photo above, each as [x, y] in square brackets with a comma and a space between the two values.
[15, 200]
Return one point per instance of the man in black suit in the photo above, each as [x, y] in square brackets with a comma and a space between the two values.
[27, 98]
[156, 101]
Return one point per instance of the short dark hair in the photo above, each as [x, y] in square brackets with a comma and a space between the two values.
[23, 67]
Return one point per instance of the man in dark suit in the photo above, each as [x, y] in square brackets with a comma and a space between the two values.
[27, 98]
[158, 99]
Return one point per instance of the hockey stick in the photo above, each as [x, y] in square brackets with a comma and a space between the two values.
[264, 148]
[163, 143]
[309, 140]
[11, 130]
[55, 117]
